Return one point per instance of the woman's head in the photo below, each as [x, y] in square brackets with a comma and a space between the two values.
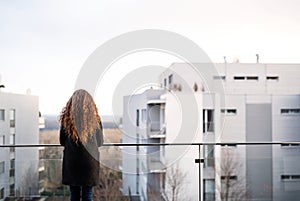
[80, 116]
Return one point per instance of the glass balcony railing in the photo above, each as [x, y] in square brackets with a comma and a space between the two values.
[225, 171]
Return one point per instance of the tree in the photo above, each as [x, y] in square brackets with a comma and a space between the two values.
[233, 183]
[53, 168]
[175, 183]
[29, 182]
[156, 186]
[109, 188]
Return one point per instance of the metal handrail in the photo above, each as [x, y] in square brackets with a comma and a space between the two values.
[163, 144]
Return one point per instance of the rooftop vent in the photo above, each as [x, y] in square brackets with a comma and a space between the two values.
[257, 58]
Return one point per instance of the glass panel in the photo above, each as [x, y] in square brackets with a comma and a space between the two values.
[246, 172]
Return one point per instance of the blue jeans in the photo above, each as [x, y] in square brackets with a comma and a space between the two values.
[86, 193]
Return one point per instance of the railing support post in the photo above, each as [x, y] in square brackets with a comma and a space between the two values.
[199, 160]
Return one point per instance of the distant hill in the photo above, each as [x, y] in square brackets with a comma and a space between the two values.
[51, 122]
[111, 121]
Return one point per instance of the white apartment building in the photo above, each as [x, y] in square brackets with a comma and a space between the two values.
[142, 167]
[19, 124]
[256, 103]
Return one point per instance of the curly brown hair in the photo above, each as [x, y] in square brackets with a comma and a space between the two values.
[80, 118]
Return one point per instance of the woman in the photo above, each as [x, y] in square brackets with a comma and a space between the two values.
[81, 135]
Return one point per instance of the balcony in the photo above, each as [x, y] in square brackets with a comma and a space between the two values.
[271, 174]
[155, 164]
[156, 130]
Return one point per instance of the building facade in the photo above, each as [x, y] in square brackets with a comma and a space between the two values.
[143, 171]
[19, 124]
[255, 103]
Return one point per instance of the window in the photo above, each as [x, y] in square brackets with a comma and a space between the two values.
[41, 176]
[208, 151]
[252, 77]
[209, 189]
[137, 118]
[12, 123]
[290, 145]
[2, 114]
[285, 176]
[1, 193]
[239, 78]
[12, 164]
[165, 82]
[274, 78]
[290, 111]
[295, 177]
[11, 173]
[2, 167]
[12, 117]
[229, 111]
[231, 177]
[12, 190]
[12, 152]
[255, 78]
[290, 177]
[219, 77]
[170, 79]
[208, 120]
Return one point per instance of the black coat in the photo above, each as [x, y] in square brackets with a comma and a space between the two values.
[81, 162]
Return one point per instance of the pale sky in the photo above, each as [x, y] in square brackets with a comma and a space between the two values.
[43, 44]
